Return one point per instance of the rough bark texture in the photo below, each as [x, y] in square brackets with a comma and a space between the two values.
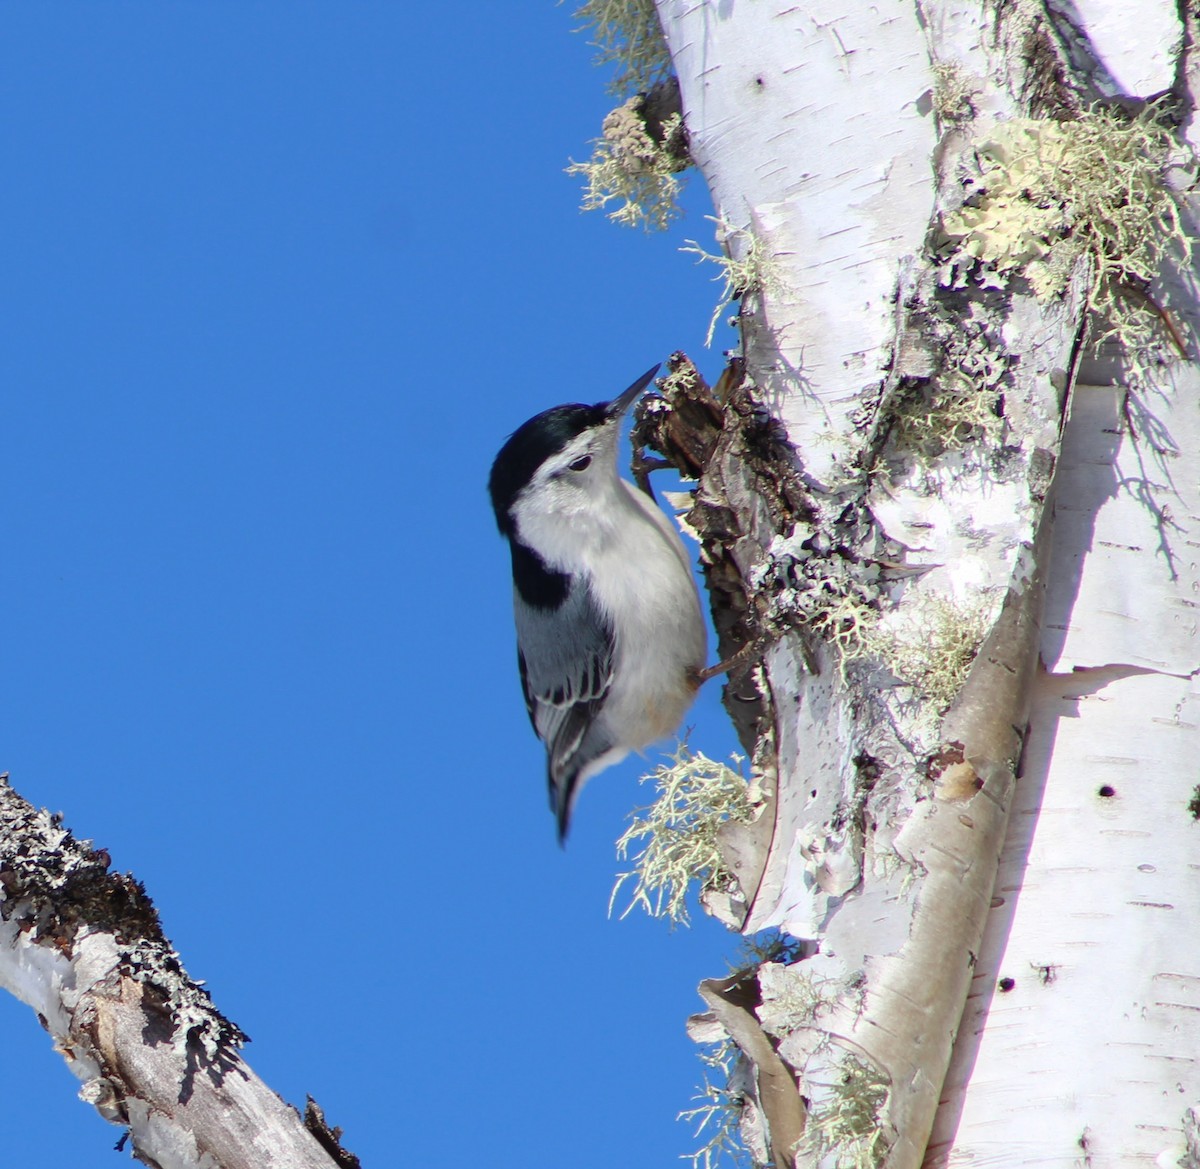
[84, 948]
[838, 533]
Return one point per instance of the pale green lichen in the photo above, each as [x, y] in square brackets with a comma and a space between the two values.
[843, 614]
[792, 998]
[628, 35]
[960, 404]
[846, 622]
[718, 1114]
[805, 583]
[947, 415]
[929, 643]
[630, 165]
[748, 267]
[1054, 192]
[845, 1130]
[953, 92]
[694, 797]
[933, 650]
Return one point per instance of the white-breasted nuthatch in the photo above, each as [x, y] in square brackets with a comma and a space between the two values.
[610, 638]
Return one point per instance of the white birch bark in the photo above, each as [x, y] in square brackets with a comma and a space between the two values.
[818, 130]
[1087, 989]
[83, 948]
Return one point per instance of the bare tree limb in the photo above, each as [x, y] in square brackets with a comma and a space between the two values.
[84, 948]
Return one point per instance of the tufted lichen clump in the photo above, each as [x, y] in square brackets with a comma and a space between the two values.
[630, 164]
[843, 614]
[845, 1130]
[934, 651]
[954, 92]
[629, 36]
[956, 411]
[748, 267]
[643, 146]
[718, 1114]
[961, 404]
[791, 997]
[1053, 192]
[809, 582]
[695, 796]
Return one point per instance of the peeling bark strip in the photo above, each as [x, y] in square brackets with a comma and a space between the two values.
[732, 1002]
[84, 948]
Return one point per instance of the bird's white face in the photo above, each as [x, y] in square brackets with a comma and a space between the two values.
[576, 485]
[583, 470]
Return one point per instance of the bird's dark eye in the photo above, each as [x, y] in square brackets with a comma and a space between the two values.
[582, 463]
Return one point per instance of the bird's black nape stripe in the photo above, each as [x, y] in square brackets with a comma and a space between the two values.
[539, 586]
[530, 445]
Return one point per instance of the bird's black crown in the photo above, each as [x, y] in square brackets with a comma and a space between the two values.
[529, 446]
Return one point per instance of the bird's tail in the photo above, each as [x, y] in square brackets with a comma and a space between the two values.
[562, 800]
[566, 782]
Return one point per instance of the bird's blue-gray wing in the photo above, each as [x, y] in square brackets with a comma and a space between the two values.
[566, 659]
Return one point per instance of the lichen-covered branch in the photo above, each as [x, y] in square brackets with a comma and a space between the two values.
[83, 947]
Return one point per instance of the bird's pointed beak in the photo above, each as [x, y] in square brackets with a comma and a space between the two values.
[622, 402]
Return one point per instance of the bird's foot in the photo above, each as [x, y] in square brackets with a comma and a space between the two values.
[743, 657]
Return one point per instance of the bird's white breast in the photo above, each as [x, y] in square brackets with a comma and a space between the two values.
[641, 578]
[643, 581]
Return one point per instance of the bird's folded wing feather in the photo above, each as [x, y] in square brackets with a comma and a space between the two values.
[566, 659]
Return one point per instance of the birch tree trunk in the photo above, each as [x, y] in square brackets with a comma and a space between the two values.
[950, 484]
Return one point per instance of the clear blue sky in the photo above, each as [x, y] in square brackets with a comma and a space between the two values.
[278, 279]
